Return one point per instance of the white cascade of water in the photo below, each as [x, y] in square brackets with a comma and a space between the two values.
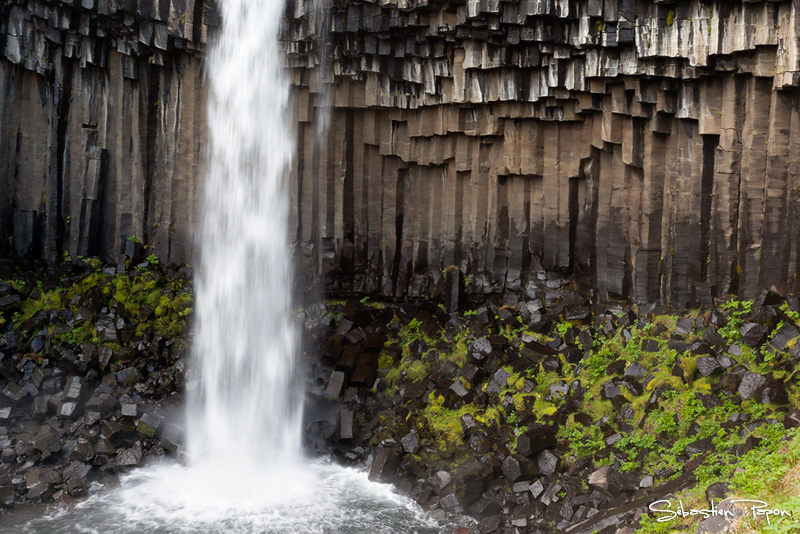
[243, 413]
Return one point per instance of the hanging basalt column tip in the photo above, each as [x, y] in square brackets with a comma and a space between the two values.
[452, 289]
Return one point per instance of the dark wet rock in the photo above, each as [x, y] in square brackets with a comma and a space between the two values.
[741, 449]
[547, 462]
[557, 392]
[415, 390]
[684, 326]
[765, 316]
[751, 385]
[783, 336]
[77, 487]
[484, 507]
[792, 418]
[712, 337]
[708, 365]
[551, 363]
[129, 376]
[774, 392]
[635, 371]
[40, 483]
[410, 442]
[480, 348]
[107, 330]
[616, 368]
[626, 413]
[131, 456]
[453, 290]
[128, 408]
[650, 345]
[717, 491]
[498, 382]
[103, 404]
[73, 388]
[709, 400]
[470, 373]
[384, 466]
[469, 487]
[700, 446]
[535, 440]
[335, 386]
[753, 334]
[607, 480]
[149, 425]
[81, 451]
[345, 427]
[611, 391]
[105, 447]
[458, 388]
[13, 391]
[550, 494]
[517, 467]
[7, 495]
[46, 441]
[724, 361]
[468, 423]
[490, 524]
[9, 301]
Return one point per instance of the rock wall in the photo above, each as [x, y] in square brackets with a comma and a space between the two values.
[650, 148]
[102, 125]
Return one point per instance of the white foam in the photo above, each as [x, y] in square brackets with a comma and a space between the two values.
[316, 499]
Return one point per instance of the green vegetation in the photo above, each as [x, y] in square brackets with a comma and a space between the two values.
[672, 409]
[150, 303]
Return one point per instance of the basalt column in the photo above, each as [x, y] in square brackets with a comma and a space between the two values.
[646, 147]
[650, 149]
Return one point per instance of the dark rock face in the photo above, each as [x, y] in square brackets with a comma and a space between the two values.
[521, 103]
[503, 139]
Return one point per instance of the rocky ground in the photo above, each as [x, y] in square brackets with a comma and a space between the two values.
[553, 414]
[546, 414]
[91, 365]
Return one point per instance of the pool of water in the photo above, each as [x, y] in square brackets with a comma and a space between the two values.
[317, 499]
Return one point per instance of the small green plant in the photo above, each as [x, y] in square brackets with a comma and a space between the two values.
[152, 259]
[793, 315]
[563, 328]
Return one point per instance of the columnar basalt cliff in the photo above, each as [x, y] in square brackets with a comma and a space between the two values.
[102, 125]
[648, 147]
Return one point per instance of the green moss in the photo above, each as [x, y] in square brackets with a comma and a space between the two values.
[385, 360]
[90, 281]
[459, 353]
[417, 371]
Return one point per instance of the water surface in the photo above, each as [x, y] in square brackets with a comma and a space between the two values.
[319, 499]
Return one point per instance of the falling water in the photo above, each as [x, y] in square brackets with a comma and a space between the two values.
[243, 413]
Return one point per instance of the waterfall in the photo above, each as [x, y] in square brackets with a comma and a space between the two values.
[244, 412]
[245, 472]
